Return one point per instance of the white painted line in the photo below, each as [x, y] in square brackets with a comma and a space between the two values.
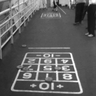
[81, 89]
[60, 15]
[47, 75]
[12, 87]
[57, 77]
[58, 55]
[73, 81]
[58, 92]
[38, 55]
[48, 47]
[41, 15]
[37, 74]
[62, 10]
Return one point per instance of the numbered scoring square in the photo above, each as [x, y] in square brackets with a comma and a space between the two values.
[43, 75]
[64, 61]
[47, 67]
[30, 67]
[66, 68]
[59, 87]
[27, 75]
[47, 61]
[63, 68]
[67, 76]
[31, 61]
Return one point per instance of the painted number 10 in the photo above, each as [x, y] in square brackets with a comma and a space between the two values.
[47, 55]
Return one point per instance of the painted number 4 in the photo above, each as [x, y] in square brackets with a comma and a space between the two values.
[64, 61]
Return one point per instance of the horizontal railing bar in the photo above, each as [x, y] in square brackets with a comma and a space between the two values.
[7, 10]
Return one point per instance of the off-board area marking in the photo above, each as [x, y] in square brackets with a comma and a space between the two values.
[49, 48]
[50, 15]
[43, 64]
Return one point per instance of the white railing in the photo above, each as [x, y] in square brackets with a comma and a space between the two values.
[17, 17]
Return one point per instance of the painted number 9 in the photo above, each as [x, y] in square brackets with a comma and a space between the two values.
[27, 75]
[67, 76]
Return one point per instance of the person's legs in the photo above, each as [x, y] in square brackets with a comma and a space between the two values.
[84, 11]
[54, 6]
[81, 11]
[91, 19]
[77, 14]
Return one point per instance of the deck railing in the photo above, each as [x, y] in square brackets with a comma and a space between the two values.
[18, 14]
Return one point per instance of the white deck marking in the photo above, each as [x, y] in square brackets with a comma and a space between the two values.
[38, 55]
[60, 82]
[77, 74]
[37, 75]
[41, 15]
[48, 47]
[62, 10]
[60, 15]
[16, 78]
[57, 77]
[47, 75]
[50, 15]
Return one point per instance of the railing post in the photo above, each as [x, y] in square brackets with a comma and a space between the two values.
[31, 8]
[19, 16]
[11, 21]
[28, 7]
[24, 15]
[0, 45]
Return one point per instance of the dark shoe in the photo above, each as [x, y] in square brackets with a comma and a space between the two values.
[86, 27]
[76, 23]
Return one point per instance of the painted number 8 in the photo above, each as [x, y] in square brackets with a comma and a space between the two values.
[67, 76]
[27, 75]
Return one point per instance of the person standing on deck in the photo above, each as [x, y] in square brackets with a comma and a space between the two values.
[79, 11]
[91, 18]
[55, 5]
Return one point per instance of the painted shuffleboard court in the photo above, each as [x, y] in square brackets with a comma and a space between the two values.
[51, 15]
[42, 65]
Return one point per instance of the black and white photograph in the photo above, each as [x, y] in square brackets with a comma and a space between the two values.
[47, 47]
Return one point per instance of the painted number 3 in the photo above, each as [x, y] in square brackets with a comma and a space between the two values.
[67, 76]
